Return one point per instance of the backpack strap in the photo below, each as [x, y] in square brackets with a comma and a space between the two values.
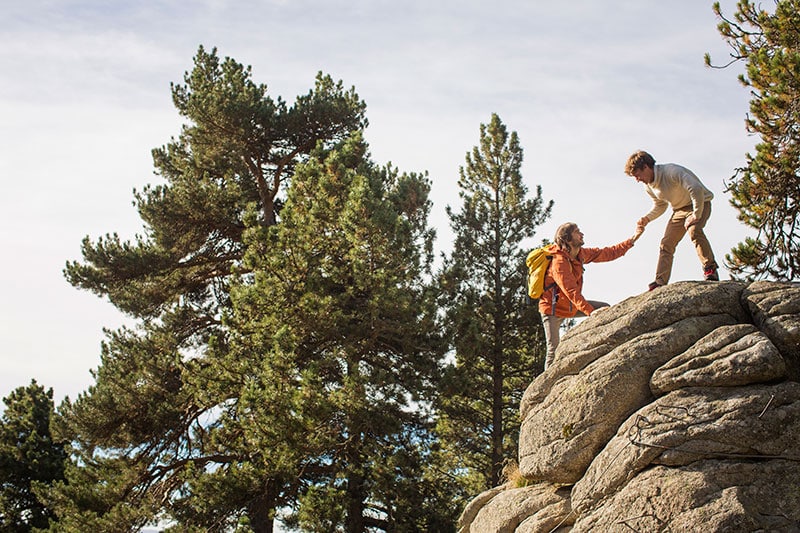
[554, 285]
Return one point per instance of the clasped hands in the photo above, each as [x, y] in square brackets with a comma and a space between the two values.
[640, 224]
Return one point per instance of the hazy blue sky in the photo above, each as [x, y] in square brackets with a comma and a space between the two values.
[85, 96]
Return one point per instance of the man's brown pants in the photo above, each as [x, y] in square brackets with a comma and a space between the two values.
[673, 234]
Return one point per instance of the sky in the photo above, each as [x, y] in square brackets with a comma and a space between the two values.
[85, 97]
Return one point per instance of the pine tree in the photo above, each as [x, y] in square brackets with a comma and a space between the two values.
[29, 456]
[150, 433]
[498, 342]
[345, 325]
[767, 190]
[238, 149]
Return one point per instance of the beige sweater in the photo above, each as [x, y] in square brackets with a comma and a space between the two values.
[677, 187]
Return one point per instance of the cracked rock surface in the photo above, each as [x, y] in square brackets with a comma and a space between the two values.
[678, 409]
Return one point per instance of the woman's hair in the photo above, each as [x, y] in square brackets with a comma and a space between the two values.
[564, 235]
[638, 161]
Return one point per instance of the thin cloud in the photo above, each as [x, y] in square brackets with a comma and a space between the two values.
[85, 97]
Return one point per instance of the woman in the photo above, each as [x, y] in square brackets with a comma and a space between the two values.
[563, 294]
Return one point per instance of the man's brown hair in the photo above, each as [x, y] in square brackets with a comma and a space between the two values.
[638, 161]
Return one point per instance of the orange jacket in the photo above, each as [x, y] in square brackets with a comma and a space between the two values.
[564, 279]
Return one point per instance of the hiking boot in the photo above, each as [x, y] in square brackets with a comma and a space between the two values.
[710, 274]
[653, 286]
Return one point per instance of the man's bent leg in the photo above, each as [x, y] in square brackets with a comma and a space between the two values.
[673, 234]
[701, 244]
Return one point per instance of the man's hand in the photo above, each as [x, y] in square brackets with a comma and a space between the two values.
[642, 222]
[638, 232]
[691, 220]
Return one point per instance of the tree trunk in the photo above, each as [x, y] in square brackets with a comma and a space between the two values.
[354, 522]
[497, 419]
[261, 510]
[498, 344]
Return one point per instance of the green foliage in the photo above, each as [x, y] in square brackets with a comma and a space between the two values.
[29, 458]
[498, 341]
[238, 150]
[95, 497]
[287, 352]
[177, 423]
[339, 309]
[767, 190]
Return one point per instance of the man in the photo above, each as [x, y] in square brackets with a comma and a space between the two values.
[563, 283]
[678, 187]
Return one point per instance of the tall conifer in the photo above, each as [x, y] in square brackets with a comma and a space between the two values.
[343, 326]
[767, 190]
[151, 435]
[497, 341]
[29, 456]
